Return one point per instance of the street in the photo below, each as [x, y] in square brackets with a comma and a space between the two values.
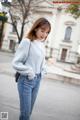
[5, 57]
[56, 100]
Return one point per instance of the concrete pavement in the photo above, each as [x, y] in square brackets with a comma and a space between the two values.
[56, 100]
[63, 72]
[57, 71]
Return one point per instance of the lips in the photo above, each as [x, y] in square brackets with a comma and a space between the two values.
[42, 37]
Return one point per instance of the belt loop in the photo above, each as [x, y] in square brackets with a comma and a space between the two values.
[37, 75]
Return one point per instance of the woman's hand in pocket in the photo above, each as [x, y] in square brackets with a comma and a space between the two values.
[31, 75]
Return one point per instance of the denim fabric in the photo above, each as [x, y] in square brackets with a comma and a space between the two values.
[28, 90]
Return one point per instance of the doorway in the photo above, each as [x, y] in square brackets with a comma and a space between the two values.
[63, 54]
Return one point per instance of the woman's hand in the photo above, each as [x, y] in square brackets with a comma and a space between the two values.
[31, 75]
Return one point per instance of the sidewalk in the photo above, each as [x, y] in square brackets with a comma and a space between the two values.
[55, 101]
[57, 71]
[63, 72]
[61, 69]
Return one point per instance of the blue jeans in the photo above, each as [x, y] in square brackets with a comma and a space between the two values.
[28, 90]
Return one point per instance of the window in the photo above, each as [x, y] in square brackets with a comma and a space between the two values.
[68, 33]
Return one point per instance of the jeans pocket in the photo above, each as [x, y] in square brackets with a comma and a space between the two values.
[28, 78]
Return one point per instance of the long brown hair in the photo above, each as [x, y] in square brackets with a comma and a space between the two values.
[41, 22]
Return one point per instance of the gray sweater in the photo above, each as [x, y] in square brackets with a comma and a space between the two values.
[34, 58]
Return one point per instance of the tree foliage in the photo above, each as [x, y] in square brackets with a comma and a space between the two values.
[74, 9]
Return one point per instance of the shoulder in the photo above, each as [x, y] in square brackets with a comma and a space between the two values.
[25, 42]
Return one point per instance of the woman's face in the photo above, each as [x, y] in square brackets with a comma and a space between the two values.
[42, 33]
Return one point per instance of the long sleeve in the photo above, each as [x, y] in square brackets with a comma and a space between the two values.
[20, 56]
[44, 68]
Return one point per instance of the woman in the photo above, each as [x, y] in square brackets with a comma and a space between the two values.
[32, 51]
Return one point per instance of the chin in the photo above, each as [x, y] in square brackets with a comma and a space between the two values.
[42, 40]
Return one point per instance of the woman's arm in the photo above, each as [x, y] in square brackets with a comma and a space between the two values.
[20, 57]
[44, 68]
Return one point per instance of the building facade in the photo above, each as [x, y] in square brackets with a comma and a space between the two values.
[62, 43]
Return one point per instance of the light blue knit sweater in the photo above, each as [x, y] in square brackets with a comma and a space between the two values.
[35, 62]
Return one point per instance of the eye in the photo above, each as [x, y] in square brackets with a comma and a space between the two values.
[42, 30]
[47, 32]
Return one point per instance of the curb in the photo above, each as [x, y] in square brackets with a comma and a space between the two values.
[52, 76]
[62, 78]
